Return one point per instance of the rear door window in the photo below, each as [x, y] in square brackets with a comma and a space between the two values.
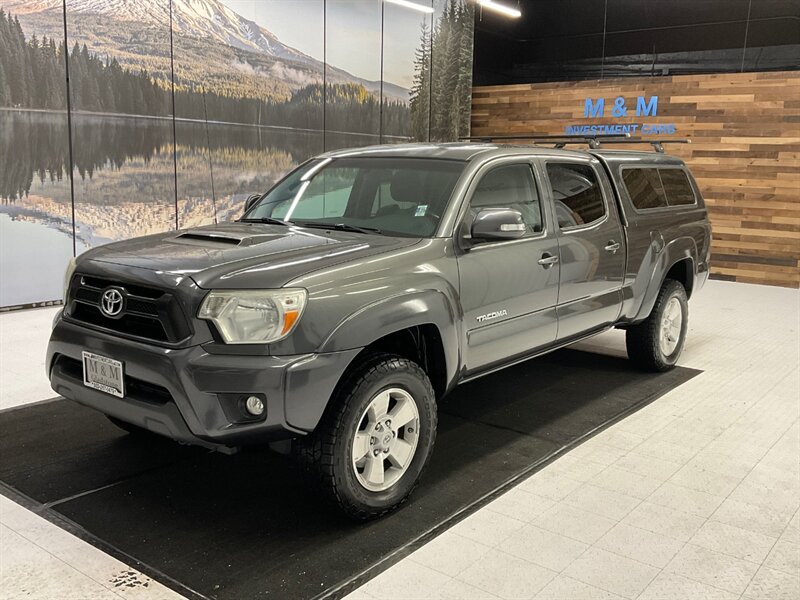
[677, 187]
[644, 188]
[577, 195]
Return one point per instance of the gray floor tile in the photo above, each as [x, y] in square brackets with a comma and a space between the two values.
[664, 520]
[713, 568]
[574, 523]
[450, 553]
[567, 588]
[600, 501]
[751, 517]
[784, 556]
[686, 500]
[507, 576]
[670, 586]
[654, 549]
[612, 572]
[544, 548]
[773, 585]
[735, 541]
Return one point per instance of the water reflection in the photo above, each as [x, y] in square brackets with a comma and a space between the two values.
[124, 176]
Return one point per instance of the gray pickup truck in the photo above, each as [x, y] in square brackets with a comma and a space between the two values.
[369, 283]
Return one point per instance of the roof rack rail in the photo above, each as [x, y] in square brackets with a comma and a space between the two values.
[594, 141]
[658, 145]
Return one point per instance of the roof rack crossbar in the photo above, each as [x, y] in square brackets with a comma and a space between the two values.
[594, 141]
[658, 145]
[547, 138]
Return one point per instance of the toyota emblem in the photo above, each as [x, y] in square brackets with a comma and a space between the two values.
[111, 302]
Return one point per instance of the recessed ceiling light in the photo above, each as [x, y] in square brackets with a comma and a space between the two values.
[412, 5]
[501, 8]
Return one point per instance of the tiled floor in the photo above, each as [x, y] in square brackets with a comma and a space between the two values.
[694, 496]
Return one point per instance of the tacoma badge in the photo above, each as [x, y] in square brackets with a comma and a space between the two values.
[492, 315]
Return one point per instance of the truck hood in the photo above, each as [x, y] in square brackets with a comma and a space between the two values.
[244, 255]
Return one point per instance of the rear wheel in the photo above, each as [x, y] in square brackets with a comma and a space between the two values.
[656, 343]
[369, 450]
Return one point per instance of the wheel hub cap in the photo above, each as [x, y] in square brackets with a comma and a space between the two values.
[386, 439]
[671, 325]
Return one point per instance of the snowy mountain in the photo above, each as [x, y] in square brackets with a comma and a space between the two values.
[209, 19]
[259, 52]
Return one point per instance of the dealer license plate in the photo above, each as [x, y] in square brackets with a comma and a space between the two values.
[104, 374]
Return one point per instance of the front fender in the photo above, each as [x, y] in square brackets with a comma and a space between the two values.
[398, 312]
[676, 250]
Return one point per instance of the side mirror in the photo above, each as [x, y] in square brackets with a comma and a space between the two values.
[250, 202]
[497, 224]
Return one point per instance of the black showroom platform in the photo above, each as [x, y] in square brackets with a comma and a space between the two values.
[244, 526]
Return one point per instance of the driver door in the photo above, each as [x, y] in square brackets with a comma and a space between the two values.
[509, 288]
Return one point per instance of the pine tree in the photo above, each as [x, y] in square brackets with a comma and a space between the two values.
[420, 102]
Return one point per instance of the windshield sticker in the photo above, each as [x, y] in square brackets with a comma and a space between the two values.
[421, 210]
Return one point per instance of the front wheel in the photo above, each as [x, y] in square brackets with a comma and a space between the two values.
[369, 450]
[656, 343]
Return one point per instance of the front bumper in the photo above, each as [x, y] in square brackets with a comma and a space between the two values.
[180, 393]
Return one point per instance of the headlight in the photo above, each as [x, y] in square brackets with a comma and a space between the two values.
[254, 316]
[68, 276]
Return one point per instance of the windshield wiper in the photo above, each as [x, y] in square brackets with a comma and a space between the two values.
[338, 227]
[267, 220]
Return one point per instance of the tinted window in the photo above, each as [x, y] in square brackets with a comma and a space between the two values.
[576, 194]
[401, 196]
[510, 186]
[677, 187]
[644, 188]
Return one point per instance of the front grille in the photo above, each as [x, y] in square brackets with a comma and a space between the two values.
[148, 313]
[138, 389]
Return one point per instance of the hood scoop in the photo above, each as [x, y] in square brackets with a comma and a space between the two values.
[204, 238]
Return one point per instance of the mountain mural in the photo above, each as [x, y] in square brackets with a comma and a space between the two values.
[246, 107]
[215, 47]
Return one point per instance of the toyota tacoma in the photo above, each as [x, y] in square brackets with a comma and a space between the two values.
[366, 285]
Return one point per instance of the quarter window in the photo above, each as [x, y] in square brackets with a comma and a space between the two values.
[510, 186]
[644, 188]
[652, 187]
[577, 195]
[677, 187]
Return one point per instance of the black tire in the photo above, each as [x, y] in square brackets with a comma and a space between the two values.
[326, 455]
[643, 339]
[129, 427]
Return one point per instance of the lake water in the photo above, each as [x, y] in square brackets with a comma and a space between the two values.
[32, 261]
[125, 184]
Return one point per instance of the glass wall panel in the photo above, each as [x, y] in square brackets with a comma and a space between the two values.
[120, 80]
[35, 202]
[674, 37]
[451, 70]
[248, 101]
[352, 73]
[773, 36]
[406, 54]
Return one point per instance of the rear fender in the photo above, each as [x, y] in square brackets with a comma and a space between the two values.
[677, 250]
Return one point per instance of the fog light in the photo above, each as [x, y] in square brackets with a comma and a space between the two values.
[254, 406]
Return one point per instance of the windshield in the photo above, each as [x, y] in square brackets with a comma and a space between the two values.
[396, 196]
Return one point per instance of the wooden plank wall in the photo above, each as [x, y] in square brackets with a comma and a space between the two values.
[745, 151]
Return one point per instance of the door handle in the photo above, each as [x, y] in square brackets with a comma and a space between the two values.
[548, 260]
[612, 247]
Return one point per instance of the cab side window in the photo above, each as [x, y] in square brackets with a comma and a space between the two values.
[510, 186]
[577, 195]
